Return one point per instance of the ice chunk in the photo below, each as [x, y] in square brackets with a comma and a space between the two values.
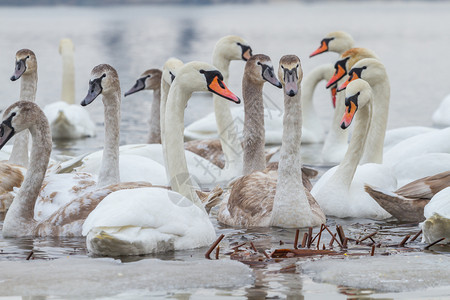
[88, 277]
[396, 273]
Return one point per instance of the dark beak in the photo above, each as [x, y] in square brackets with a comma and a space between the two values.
[290, 82]
[95, 89]
[138, 86]
[269, 75]
[21, 67]
[6, 132]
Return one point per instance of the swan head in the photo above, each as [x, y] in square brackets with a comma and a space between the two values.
[149, 80]
[66, 46]
[259, 69]
[233, 47]
[26, 63]
[104, 80]
[369, 69]
[170, 68]
[290, 73]
[17, 117]
[357, 94]
[336, 41]
[199, 76]
[348, 59]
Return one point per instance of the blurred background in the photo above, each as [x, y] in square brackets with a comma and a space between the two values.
[410, 37]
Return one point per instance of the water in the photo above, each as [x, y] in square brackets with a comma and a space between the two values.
[410, 38]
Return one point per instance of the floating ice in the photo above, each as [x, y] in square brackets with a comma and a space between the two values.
[87, 277]
[396, 273]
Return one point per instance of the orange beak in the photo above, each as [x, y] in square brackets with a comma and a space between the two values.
[348, 115]
[218, 87]
[340, 72]
[350, 79]
[333, 96]
[247, 54]
[323, 48]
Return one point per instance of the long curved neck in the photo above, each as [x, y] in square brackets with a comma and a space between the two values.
[309, 83]
[68, 78]
[180, 179]
[28, 87]
[254, 132]
[109, 170]
[162, 115]
[347, 168]
[336, 136]
[19, 218]
[291, 207]
[155, 127]
[373, 152]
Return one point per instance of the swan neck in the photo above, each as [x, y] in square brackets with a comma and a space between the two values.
[19, 153]
[19, 220]
[68, 78]
[254, 132]
[228, 134]
[28, 86]
[155, 127]
[109, 169]
[373, 152]
[291, 207]
[347, 167]
[180, 179]
[162, 115]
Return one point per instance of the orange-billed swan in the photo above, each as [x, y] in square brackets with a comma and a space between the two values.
[67, 119]
[340, 191]
[152, 220]
[336, 141]
[259, 199]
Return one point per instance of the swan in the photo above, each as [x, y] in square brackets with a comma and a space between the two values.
[340, 190]
[151, 80]
[375, 74]
[336, 41]
[163, 220]
[437, 214]
[259, 199]
[221, 121]
[20, 218]
[336, 142]
[13, 170]
[67, 120]
[441, 116]
[26, 69]
[408, 202]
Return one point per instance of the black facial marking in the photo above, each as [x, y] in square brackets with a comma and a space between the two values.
[327, 40]
[244, 49]
[342, 64]
[172, 77]
[353, 99]
[210, 75]
[357, 71]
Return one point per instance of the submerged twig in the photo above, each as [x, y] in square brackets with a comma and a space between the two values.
[214, 245]
[433, 243]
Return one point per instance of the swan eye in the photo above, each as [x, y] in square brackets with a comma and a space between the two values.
[27, 57]
[104, 75]
[202, 71]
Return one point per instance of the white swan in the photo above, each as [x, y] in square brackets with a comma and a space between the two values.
[20, 218]
[373, 71]
[150, 220]
[340, 191]
[259, 199]
[336, 141]
[68, 120]
[151, 80]
[441, 116]
[437, 214]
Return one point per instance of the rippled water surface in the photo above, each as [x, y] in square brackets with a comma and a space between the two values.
[410, 38]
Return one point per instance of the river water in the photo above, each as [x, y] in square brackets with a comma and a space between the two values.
[410, 38]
